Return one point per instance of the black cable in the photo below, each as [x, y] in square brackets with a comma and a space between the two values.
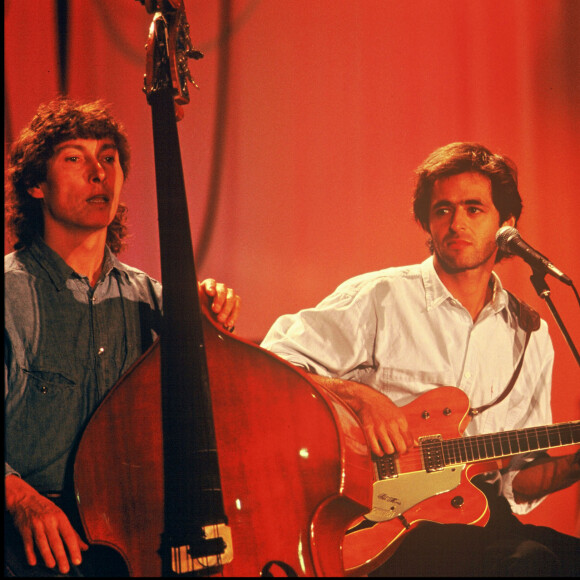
[62, 44]
[220, 121]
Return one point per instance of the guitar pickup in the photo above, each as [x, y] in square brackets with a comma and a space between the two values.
[386, 466]
[432, 453]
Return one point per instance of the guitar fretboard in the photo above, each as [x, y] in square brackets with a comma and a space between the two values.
[439, 453]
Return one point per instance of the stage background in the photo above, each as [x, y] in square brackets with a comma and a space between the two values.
[299, 148]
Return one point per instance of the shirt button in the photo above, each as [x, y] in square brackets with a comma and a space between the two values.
[101, 350]
[467, 375]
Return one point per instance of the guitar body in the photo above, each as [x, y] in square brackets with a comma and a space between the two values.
[294, 465]
[444, 496]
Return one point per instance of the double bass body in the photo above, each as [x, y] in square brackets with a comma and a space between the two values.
[294, 464]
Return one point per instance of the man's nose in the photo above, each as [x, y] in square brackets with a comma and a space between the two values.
[458, 219]
[96, 171]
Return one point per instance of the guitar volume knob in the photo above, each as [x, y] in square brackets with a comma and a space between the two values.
[457, 501]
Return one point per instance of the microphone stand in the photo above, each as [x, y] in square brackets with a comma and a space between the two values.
[543, 291]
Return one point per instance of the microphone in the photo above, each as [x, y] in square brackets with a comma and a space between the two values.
[509, 240]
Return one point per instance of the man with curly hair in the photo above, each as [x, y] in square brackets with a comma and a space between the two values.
[76, 317]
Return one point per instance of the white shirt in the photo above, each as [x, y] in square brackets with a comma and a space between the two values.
[400, 331]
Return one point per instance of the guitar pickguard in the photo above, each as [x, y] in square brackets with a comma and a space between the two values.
[394, 496]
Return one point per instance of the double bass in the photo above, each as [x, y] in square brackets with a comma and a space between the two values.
[212, 456]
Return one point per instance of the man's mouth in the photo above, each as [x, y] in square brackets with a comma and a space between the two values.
[99, 199]
[457, 243]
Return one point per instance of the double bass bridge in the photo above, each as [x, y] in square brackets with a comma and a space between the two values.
[213, 551]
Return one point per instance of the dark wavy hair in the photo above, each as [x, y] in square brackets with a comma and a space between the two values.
[60, 120]
[463, 157]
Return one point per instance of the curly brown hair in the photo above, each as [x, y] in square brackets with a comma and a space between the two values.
[463, 157]
[59, 120]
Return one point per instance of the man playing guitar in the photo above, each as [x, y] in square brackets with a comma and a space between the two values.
[384, 338]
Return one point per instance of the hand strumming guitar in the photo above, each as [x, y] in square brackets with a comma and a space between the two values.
[384, 423]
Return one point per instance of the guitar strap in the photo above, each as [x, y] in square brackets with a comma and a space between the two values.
[529, 320]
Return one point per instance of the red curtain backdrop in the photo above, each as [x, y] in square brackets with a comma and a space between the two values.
[328, 106]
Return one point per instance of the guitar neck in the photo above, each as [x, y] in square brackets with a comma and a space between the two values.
[439, 453]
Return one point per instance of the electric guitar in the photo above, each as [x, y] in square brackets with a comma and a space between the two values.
[432, 481]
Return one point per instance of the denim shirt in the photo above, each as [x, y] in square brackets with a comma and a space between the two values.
[65, 345]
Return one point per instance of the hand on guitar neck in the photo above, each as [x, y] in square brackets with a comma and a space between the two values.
[546, 475]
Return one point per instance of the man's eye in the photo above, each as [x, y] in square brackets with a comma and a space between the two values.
[441, 211]
[474, 209]
[73, 158]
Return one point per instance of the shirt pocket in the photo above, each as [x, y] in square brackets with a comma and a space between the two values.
[45, 422]
[49, 383]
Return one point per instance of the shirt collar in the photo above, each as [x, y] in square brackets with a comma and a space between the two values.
[436, 292]
[112, 263]
[59, 271]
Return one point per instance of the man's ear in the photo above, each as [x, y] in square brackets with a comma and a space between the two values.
[511, 221]
[37, 191]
